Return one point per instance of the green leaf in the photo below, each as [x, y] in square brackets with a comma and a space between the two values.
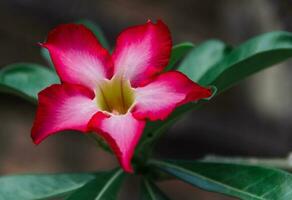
[37, 187]
[281, 163]
[194, 65]
[46, 55]
[246, 182]
[202, 58]
[252, 56]
[26, 79]
[149, 191]
[96, 30]
[177, 53]
[103, 187]
[219, 66]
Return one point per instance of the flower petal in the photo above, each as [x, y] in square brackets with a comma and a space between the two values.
[122, 132]
[169, 90]
[142, 51]
[63, 107]
[78, 56]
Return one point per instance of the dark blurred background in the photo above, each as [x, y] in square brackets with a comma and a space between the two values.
[251, 119]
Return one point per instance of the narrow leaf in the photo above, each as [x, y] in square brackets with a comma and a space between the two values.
[149, 191]
[229, 67]
[37, 187]
[103, 187]
[26, 79]
[281, 163]
[199, 60]
[177, 53]
[46, 55]
[202, 58]
[246, 182]
[252, 56]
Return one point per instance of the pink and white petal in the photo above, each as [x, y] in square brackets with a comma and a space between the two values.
[142, 51]
[122, 132]
[169, 90]
[63, 107]
[78, 56]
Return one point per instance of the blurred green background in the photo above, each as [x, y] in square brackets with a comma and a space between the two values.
[252, 119]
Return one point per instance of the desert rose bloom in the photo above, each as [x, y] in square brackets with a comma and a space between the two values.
[111, 94]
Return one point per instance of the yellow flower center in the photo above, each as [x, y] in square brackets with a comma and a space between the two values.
[115, 96]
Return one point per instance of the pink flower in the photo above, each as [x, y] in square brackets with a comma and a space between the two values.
[111, 94]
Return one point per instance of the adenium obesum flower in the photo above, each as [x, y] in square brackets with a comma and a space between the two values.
[111, 94]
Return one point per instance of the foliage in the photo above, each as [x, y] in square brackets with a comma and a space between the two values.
[210, 63]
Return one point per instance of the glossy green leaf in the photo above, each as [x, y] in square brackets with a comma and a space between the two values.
[177, 53]
[26, 79]
[246, 182]
[37, 187]
[200, 59]
[97, 31]
[104, 187]
[194, 65]
[149, 191]
[252, 56]
[281, 163]
[46, 55]
[228, 67]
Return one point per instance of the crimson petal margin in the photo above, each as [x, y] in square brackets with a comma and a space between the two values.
[167, 91]
[122, 132]
[63, 107]
[78, 56]
[142, 51]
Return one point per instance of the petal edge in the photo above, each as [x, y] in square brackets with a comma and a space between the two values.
[62, 107]
[122, 132]
[167, 91]
[78, 56]
[142, 51]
